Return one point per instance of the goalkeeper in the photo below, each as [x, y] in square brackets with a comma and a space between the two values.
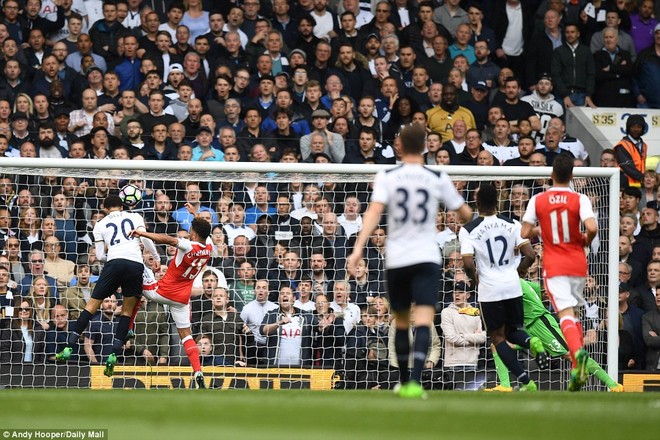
[539, 322]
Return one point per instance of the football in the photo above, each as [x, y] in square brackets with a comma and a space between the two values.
[130, 195]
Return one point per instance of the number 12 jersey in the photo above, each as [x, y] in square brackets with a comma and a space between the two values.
[493, 241]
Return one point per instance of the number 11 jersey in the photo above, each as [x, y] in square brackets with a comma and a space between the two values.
[493, 241]
[189, 260]
[559, 211]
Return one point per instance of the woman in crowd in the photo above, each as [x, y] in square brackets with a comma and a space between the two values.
[22, 342]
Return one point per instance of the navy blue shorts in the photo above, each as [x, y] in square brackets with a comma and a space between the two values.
[419, 283]
[507, 312]
[118, 273]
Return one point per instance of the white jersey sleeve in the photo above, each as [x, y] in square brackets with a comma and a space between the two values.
[114, 230]
[530, 212]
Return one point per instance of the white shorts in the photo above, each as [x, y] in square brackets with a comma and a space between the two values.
[180, 312]
[565, 292]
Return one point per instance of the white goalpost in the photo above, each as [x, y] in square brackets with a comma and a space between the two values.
[67, 194]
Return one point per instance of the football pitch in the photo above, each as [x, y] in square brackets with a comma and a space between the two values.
[339, 415]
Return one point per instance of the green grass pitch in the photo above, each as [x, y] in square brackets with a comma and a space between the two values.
[338, 415]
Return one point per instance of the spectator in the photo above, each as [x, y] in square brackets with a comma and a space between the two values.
[23, 342]
[330, 341]
[56, 336]
[613, 20]
[651, 334]
[441, 119]
[632, 325]
[289, 332]
[643, 26]
[462, 332]
[252, 315]
[614, 71]
[342, 307]
[450, 15]
[42, 300]
[8, 297]
[631, 151]
[242, 289]
[75, 297]
[573, 70]
[305, 295]
[225, 327]
[36, 262]
[643, 297]
[647, 90]
[649, 188]
[62, 270]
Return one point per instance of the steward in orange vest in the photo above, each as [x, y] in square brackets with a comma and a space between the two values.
[631, 151]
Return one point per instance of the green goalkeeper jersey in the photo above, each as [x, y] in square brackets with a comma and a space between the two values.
[532, 305]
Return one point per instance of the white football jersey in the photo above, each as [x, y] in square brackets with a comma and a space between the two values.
[493, 241]
[412, 194]
[113, 229]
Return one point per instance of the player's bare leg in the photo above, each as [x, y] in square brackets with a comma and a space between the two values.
[193, 355]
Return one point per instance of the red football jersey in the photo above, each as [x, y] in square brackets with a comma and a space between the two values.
[190, 259]
[559, 212]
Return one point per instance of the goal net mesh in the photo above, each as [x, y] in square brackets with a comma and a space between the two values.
[272, 226]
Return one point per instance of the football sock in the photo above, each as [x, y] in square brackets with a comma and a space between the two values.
[502, 370]
[120, 335]
[421, 348]
[510, 359]
[402, 347]
[519, 337]
[572, 336]
[192, 352]
[78, 327]
[596, 370]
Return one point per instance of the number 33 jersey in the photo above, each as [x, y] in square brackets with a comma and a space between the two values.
[412, 194]
[559, 212]
[493, 241]
[189, 260]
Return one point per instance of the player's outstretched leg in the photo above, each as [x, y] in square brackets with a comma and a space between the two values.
[596, 370]
[508, 356]
[78, 328]
[502, 374]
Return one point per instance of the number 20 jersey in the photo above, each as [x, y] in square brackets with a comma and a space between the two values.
[493, 241]
[189, 261]
[412, 194]
[559, 211]
[114, 230]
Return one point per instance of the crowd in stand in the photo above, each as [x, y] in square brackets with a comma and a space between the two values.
[315, 81]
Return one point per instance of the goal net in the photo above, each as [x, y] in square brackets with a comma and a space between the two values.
[275, 226]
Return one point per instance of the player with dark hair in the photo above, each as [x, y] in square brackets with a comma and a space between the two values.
[559, 211]
[175, 287]
[411, 193]
[492, 240]
[123, 269]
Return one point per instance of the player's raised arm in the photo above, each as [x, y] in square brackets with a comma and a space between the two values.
[465, 213]
[157, 238]
[369, 223]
